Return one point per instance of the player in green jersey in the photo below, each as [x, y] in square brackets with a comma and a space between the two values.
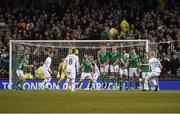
[86, 68]
[113, 62]
[21, 69]
[103, 60]
[133, 68]
[123, 72]
[145, 69]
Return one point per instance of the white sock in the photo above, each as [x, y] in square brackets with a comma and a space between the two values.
[146, 87]
[94, 85]
[154, 82]
[157, 83]
[68, 85]
[73, 84]
[48, 82]
[44, 82]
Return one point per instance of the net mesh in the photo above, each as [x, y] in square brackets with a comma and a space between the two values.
[38, 51]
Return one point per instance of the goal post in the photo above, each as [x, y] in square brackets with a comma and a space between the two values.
[37, 49]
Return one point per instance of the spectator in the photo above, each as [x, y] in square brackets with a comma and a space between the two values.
[174, 65]
[166, 64]
[92, 20]
[124, 26]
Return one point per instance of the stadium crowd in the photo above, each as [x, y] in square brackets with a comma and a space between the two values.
[92, 20]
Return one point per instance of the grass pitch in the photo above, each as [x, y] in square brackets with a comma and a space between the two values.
[89, 101]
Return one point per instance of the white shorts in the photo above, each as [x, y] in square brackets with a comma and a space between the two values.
[114, 68]
[152, 75]
[19, 73]
[95, 76]
[132, 72]
[71, 74]
[86, 75]
[123, 71]
[104, 69]
[46, 73]
[145, 74]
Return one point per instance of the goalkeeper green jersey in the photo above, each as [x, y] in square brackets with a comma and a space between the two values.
[113, 57]
[134, 59]
[125, 59]
[23, 62]
[86, 66]
[146, 68]
[103, 57]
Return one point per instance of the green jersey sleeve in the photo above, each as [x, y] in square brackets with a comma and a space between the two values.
[21, 65]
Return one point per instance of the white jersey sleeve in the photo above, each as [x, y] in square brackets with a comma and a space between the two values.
[47, 63]
[72, 62]
[155, 65]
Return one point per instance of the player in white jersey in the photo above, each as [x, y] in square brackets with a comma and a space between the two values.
[95, 74]
[47, 70]
[156, 67]
[72, 62]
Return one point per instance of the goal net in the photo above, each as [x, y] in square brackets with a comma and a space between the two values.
[38, 50]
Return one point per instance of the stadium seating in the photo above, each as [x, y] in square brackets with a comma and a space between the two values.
[89, 20]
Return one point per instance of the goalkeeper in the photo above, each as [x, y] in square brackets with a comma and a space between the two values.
[61, 73]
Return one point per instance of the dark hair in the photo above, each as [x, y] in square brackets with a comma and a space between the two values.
[74, 51]
[50, 52]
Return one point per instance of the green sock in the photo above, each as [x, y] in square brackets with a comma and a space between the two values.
[131, 83]
[126, 83]
[119, 82]
[79, 84]
[59, 83]
[137, 83]
[90, 85]
[107, 81]
[18, 84]
[103, 81]
[113, 80]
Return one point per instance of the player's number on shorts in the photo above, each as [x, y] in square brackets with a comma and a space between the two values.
[70, 61]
